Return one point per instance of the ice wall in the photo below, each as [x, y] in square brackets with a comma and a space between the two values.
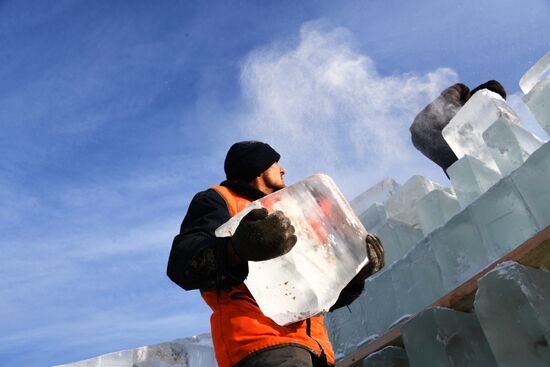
[496, 201]
[195, 351]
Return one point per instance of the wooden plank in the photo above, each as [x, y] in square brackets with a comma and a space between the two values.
[534, 252]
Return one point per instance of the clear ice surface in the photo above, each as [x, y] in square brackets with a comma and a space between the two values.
[196, 351]
[436, 208]
[374, 217]
[329, 252]
[416, 279]
[535, 73]
[470, 178]
[397, 238]
[503, 218]
[402, 204]
[510, 144]
[381, 300]
[378, 193]
[459, 250]
[532, 180]
[441, 337]
[463, 132]
[513, 306]
[388, 357]
[538, 101]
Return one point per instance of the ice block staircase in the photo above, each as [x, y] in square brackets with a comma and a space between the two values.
[447, 296]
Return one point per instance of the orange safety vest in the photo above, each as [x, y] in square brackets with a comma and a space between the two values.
[239, 328]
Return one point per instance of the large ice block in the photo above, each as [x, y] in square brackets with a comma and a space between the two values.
[532, 181]
[436, 208]
[196, 351]
[398, 238]
[459, 250]
[416, 279]
[535, 73]
[441, 337]
[329, 252]
[463, 132]
[510, 144]
[513, 306]
[470, 178]
[381, 300]
[374, 217]
[503, 218]
[378, 193]
[538, 101]
[388, 357]
[402, 204]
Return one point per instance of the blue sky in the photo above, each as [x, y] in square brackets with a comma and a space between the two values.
[114, 113]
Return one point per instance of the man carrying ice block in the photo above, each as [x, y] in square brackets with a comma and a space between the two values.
[242, 335]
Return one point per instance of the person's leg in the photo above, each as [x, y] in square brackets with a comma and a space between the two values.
[284, 356]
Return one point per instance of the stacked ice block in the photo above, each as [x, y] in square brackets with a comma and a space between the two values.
[536, 86]
[501, 186]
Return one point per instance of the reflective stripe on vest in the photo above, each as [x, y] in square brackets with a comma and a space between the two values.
[239, 328]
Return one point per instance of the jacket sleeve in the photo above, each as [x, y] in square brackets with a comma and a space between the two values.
[198, 258]
[353, 289]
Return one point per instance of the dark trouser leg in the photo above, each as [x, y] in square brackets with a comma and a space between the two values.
[284, 356]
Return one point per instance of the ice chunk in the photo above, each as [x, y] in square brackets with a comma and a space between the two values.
[513, 307]
[510, 144]
[374, 217]
[329, 252]
[459, 250]
[348, 328]
[381, 300]
[538, 101]
[388, 357]
[402, 204]
[196, 351]
[503, 218]
[535, 73]
[436, 208]
[416, 279]
[463, 132]
[379, 193]
[532, 181]
[444, 337]
[398, 238]
[470, 178]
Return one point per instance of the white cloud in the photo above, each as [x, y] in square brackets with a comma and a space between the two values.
[326, 107]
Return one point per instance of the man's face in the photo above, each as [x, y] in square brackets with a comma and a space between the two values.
[271, 179]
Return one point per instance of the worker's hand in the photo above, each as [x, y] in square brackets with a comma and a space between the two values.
[262, 236]
[375, 250]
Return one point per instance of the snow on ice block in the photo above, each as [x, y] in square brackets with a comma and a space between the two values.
[513, 306]
[397, 237]
[535, 73]
[510, 144]
[446, 338]
[538, 101]
[470, 178]
[388, 357]
[416, 279]
[459, 250]
[329, 252]
[378, 193]
[195, 351]
[436, 208]
[533, 182]
[374, 217]
[503, 218]
[463, 132]
[402, 204]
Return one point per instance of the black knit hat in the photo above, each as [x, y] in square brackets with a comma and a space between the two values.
[246, 160]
